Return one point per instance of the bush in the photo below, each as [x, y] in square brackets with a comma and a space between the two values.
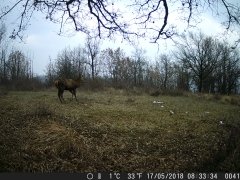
[93, 85]
[42, 109]
[3, 91]
[235, 100]
[167, 93]
[217, 97]
[34, 84]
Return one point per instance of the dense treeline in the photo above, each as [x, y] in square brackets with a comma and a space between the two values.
[212, 66]
[199, 63]
[16, 70]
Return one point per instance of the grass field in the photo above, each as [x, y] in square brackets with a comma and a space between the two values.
[113, 130]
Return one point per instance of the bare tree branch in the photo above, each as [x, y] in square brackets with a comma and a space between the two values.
[231, 17]
[10, 9]
[164, 23]
[140, 18]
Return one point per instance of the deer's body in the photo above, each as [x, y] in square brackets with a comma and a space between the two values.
[67, 84]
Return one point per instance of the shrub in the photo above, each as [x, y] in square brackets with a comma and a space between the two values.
[42, 109]
[235, 101]
[3, 91]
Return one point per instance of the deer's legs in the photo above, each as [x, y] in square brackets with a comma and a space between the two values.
[60, 94]
[71, 91]
[74, 93]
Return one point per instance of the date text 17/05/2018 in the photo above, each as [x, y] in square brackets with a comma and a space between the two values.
[174, 176]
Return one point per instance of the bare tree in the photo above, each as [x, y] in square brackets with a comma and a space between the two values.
[3, 53]
[153, 76]
[137, 18]
[228, 70]
[64, 65]
[166, 70]
[200, 55]
[182, 76]
[69, 63]
[92, 50]
[112, 60]
[107, 57]
[19, 70]
[50, 73]
[139, 64]
[79, 59]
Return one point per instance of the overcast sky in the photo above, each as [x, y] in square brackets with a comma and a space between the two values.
[42, 40]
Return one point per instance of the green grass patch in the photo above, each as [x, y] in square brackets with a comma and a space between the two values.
[113, 130]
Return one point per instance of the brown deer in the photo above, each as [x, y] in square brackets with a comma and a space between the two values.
[67, 84]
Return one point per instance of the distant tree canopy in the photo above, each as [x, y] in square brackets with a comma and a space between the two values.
[16, 68]
[137, 18]
[200, 63]
[214, 66]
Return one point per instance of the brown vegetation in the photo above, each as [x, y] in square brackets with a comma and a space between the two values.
[115, 130]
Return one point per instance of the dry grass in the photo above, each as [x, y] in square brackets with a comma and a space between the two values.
[231, 99]
[116, 131]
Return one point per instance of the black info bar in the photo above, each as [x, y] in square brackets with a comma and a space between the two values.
[123, 176]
